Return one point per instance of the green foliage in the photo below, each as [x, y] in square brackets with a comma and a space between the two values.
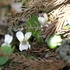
[7, 49]
[67, 26]
[35, 27]
[31, 57]
[24, 2]
[3, 59]
[0, 68]
[54, 41]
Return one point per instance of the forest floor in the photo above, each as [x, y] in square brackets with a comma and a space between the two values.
[20, 15]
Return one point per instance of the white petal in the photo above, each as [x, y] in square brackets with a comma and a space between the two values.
[5, 44]
[29, 46]
[41, 20]
[8, 39]
[24, 46]
[20, 36]
[28, 35]
[45, 16]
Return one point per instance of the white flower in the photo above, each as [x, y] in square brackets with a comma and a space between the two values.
[45, 16]
[17, 7]
[43, 19]
[7, 40]
[24, 44]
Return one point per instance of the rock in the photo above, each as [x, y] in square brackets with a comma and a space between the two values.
[64, 51]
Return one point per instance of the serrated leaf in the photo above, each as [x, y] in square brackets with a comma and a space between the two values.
[34, 27]
[3, 60]
[7, 49]
[0, 68]
[33, 20]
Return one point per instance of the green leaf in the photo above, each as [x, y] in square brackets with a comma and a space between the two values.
[54, 41]
[7, 49]
[35, 27]
[0, 68]
[3, 60]
[31, 57]
[67, 26]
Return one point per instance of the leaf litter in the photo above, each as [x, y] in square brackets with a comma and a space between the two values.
[39, 57]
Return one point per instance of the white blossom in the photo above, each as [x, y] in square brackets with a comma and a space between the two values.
[7, 40]
[45, 16]
[43, 20]
[24, 44]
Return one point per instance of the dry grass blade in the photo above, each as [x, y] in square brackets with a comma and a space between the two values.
[50, 30]
[19, 62]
